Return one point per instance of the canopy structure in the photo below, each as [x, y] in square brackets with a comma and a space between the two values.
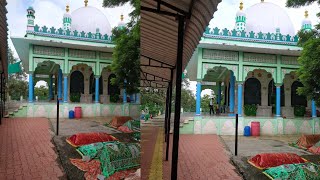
[159, 33]
[170, 32]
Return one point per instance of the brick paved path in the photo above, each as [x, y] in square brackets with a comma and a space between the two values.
[26, 151]
[148, 142]
[201, 157]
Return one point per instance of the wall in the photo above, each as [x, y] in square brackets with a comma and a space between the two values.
[268, 126]
[88, 110]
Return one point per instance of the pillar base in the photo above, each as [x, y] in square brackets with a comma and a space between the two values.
[264, 111]
[105, 99]
[86, 98]
[287, 111]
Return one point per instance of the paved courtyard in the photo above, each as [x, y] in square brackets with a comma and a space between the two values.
[250, 146]
[200, 157]
[26, 150]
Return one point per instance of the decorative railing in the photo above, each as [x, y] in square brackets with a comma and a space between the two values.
[272, 38]
[74, 35]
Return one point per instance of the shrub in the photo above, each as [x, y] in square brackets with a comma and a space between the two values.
[299, 111]
[250, 110]
[75, 97]
[114, 98]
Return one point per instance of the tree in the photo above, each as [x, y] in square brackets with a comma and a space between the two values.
[42, 92]
[155, 101]
[17, 84]
[126, 55]
[205, 102]
[310, 57]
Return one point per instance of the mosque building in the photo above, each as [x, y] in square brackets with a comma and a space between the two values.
[252, 72]
[74, 60]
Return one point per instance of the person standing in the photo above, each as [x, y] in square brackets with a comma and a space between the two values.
[211, 106]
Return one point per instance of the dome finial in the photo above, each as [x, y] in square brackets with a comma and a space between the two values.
[306, 14]
[86, 3]
[67, 8]
[262, 1]
[241, 5]
[121, 17]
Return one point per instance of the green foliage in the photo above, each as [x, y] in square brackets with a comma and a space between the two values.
[205, 102]
[126, 55]
[188, 100]
[42, 92]
[250, 110]
[17, 88]
[310, 57]
[309, 70]
[114, 98]
[17, 84]
[299, 3]
[75, 97]
[299, 111]
[155, 101]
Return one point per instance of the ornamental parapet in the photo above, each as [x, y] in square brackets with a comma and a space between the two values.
[73, 35]
[268, 38]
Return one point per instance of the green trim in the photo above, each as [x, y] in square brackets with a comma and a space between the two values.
[31, 67]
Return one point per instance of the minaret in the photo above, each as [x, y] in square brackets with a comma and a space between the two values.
[67, 19]
[306, 23]
[240, 19]
[31, 17]
[121, 24]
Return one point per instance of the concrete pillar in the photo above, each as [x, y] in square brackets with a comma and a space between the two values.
[31, 88]
[278, 100]
[314, 109]
[60, 84]
[137, 98]
[125, 93]
[65, 88]
[232, 90]
[97, 90]
[240, 98]
[198, 98]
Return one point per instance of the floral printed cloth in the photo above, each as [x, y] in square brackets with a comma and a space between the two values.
[302, 171]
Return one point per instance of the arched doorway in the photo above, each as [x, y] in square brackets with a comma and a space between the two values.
[252, 91]
[76, 86]
[296, 99]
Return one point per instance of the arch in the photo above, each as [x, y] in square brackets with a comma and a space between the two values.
[252, 91]
[296, 99]
[41, 90]
[76, 82]
[218, 73]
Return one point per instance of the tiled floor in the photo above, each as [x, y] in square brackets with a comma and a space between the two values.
[26, 151]
[200, 157]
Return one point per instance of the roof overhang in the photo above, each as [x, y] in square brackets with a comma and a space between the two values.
[22, 45]
[159, 31]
